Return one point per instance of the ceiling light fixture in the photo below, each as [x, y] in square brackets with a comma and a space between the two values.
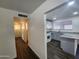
[71, 3]
[75, 13]
[54, 18]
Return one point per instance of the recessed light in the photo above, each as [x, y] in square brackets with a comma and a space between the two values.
[75, 13]
[71, 3]
[54, 18]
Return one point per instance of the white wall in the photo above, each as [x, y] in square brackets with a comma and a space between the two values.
[7, 37]
[37, 41]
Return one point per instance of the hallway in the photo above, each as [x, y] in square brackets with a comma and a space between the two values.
[23, 51]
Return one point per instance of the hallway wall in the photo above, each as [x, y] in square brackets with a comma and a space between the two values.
[37, 40]
[7, 37]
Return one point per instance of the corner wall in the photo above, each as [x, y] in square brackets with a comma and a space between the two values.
[37, 27]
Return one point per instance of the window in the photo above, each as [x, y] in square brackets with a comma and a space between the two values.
[49, 25]
[62, 24]
[56, 26]
[68, 26]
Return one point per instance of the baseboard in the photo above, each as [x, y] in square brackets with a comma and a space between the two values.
[4, 57]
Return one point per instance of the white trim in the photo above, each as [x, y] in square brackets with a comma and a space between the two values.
[45, 37]
[4, 56]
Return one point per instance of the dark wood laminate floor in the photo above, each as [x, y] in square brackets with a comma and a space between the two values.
[23, 51]
[54, 52]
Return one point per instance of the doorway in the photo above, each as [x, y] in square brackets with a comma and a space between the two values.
[61, 31]
[21, 30]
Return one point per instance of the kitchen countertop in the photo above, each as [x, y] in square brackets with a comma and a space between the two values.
[74, 36]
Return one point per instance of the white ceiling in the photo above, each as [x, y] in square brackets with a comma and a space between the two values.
[64, 11]
[27, 6]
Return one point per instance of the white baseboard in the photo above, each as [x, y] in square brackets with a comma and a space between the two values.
[4, 57]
